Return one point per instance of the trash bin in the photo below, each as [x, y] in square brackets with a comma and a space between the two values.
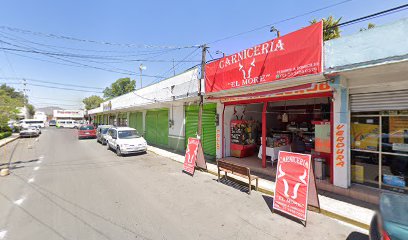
[320, 168]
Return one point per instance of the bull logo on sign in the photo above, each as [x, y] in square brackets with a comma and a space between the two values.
[302, 180]
[247, 73]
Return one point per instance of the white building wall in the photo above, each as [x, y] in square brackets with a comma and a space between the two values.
[379, 43]
[177, 131]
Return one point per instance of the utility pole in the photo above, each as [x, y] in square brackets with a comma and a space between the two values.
[201, 79]
[141, 68]
[174, 70]
[25, 97]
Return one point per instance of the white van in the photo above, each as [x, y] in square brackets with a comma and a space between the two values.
[25, 123]
[68, 123]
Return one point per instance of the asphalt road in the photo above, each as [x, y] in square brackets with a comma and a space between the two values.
[63, 188]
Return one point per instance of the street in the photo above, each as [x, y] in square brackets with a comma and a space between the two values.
[64, 188]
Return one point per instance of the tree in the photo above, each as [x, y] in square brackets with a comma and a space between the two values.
[10, 100]
[30, 110]
[330, 28]
[119, 87]
[92, 102]
[369, 26]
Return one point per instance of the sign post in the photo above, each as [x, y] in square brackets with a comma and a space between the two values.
[294, 185]
[194, 156]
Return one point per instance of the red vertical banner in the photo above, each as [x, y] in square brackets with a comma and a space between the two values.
[191, 155]
[292, 184]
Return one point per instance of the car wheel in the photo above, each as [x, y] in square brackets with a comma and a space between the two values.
[109, 148]
[103, 142]
[118, 152]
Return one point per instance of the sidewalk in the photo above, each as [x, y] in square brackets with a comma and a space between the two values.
[6, 140]
[340, 210]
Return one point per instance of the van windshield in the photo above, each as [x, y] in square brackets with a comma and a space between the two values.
[128, 134]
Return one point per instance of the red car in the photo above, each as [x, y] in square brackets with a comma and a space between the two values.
[86, 131]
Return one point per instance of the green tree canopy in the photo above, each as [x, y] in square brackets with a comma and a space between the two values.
[30, 110]
[119, 87]
[92, 102]
[10, 100]
[330, 28]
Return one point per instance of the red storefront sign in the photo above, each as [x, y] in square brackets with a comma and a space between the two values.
[296, 54]
[292, 184]
[191, 155]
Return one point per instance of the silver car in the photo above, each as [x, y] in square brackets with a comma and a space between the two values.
[30, 132]
[101, 132]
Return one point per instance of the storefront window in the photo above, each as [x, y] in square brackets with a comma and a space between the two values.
[365, 133]
[365, 168]
[395, 134]
[371, 156]
[394, 172]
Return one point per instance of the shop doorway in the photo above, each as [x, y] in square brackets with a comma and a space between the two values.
[302, 126]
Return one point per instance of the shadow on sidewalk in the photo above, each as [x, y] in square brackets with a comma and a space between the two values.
[269, 202]
[357, 236]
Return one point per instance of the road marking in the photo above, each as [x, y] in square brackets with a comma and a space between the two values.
[19, 201]
[30, 180]
[36, 139]
[36, 168]
[3, 234]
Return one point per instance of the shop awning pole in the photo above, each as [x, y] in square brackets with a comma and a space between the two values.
[264, 134]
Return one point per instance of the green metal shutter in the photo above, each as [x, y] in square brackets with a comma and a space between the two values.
[132, 120]
[163, 127]
[191, 115]
[209, 129]
[157, 128]
[208, 126]
[139, 122]
[151, 125]
[136, 121]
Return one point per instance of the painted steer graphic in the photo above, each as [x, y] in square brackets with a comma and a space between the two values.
[286, 185]
[244, 73]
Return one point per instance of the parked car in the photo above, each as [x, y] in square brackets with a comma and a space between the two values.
[86, 131]
[52, 123]
[30, 132]
[391, 221]
[101, 132]
[125, 140]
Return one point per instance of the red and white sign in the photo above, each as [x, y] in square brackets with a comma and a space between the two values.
[191, 155]
[296, 54]
[292, 184]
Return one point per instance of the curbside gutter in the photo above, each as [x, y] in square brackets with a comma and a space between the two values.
[178, 158]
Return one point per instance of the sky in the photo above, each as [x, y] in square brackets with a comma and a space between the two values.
[93, 43]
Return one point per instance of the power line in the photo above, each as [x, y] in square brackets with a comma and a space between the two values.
[84, 56]
[280, 21]
[372, 16]
[54, 99]
[62, 88]
[54, 83]
[51, 35]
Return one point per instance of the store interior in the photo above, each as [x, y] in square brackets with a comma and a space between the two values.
[301, 126]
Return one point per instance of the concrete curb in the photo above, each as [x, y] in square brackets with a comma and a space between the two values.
[12, 139]
[271, 193]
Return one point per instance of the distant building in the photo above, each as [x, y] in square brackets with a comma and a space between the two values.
[68, 114]
[40, 116]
